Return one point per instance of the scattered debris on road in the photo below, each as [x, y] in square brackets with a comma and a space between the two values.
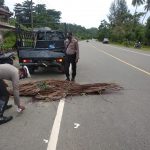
[52, 90]
[76, 125]
[45, 141]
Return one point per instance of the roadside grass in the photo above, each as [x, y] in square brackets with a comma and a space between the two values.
[144, 48]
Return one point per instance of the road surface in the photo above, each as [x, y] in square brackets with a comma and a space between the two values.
[117, 121]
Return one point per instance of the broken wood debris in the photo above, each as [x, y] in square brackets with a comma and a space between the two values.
[51, 90]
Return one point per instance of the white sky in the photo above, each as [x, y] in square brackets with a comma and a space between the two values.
[87, 13]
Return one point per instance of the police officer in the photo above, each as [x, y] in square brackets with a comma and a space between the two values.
[11, 73]
[71, 55]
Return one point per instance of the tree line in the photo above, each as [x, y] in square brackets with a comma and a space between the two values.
[123, 26]
[47, 17]
[43, 17]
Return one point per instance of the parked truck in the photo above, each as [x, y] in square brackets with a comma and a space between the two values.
[41, 47]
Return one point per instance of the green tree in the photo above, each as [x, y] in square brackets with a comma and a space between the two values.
[147, 9]
[23, 12]
[40, 8]
[92, 33]
[120, 21]
[53, 18]
[80, 32]
[147, 32]
[118, 12]
[39, 15]
[53, 15]
[26, 18]
[18, 9]
[137, 3]
[123, 25]
[103, 30]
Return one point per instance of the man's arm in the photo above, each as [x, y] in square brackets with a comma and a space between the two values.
[77, 51]
[15, 85]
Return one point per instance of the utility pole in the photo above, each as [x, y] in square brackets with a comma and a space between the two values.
[31, 9]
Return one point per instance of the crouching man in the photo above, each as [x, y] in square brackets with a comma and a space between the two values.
[9, 72]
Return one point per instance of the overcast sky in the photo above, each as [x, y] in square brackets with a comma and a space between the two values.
[87, 13]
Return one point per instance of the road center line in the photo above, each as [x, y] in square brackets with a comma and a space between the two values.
[52, 144]
[142, 70]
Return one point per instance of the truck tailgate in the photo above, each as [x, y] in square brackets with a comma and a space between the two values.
[44, 54]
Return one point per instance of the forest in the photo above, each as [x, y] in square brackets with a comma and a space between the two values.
[124, 27]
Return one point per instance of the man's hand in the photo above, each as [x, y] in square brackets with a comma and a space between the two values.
[21, 108]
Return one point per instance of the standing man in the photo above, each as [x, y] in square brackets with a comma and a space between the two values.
[71, 56]
[11, 73]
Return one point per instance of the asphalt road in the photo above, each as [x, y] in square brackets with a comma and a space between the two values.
[117, 121]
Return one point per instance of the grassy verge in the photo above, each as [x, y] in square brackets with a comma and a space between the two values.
[144, 48]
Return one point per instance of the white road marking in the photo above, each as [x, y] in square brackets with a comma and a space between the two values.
[76, 125]
[129, 50]
[142, 70]
[45, 141]
[56, 127]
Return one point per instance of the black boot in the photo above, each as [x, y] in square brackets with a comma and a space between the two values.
[4, 97]
[3, 107]
[4, 119]
[67, 79]
[73, 79]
